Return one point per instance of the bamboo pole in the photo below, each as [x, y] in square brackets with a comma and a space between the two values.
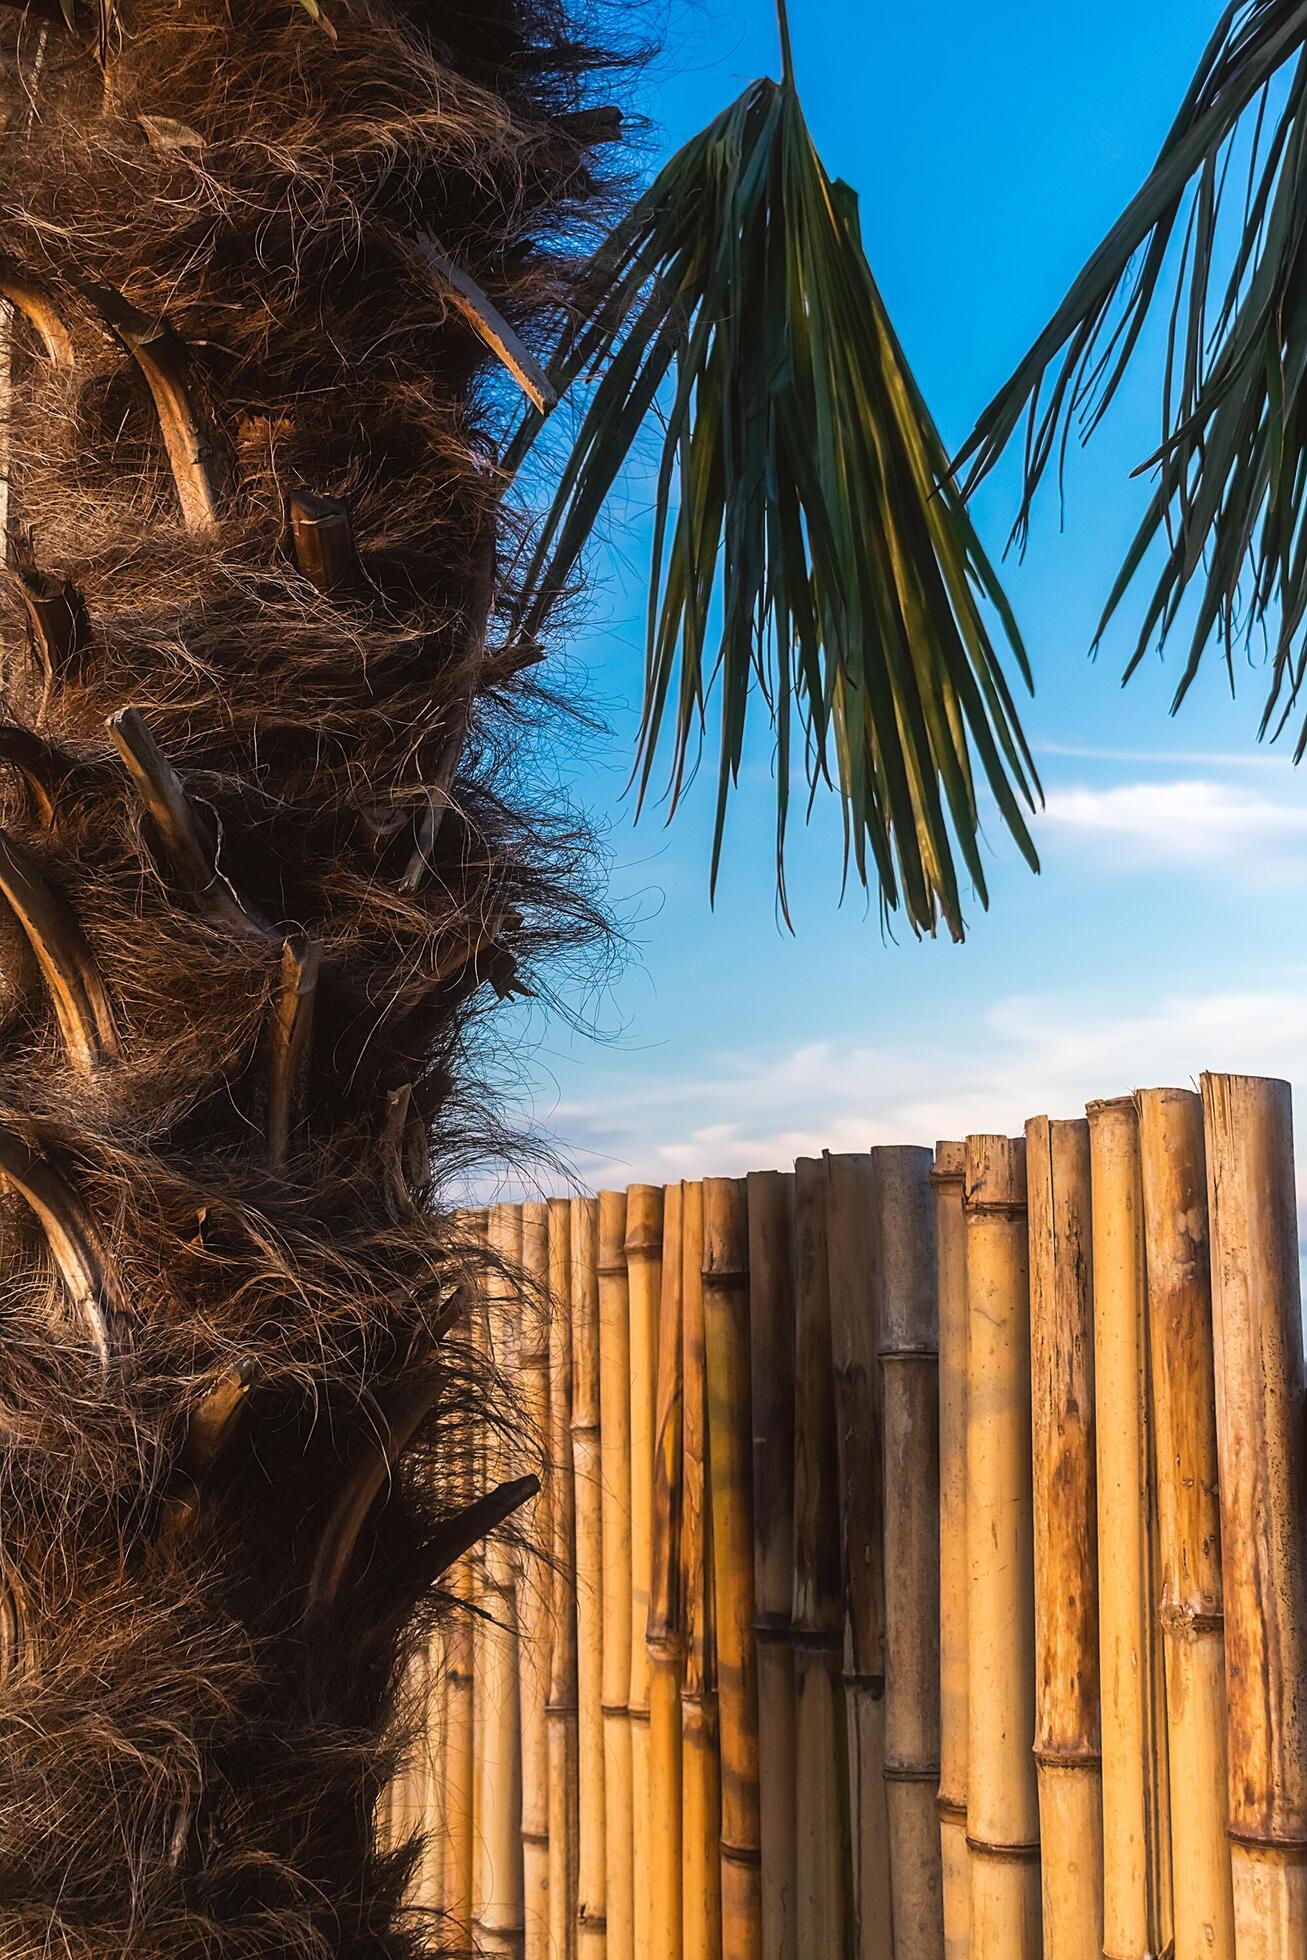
[851, 1254]
[1136, 1838]
[587, 1473]
[730, 1480]
[1002, 1805]
[951, 1243]
[771, 1289]
[701, 1811]
[497, 1869]
[1068, 1744]
[908, 1332]
[533, 1600]
[463, 1584]
[823, 1906]
[615, 1459]
[662, 1822]
[1182, 1377]
[561, 1717]
[1261, 1410]
[644, 1248]
[430, 1887]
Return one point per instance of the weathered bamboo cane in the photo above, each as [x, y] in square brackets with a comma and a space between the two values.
[730, 1481]
[1068, 1743]
[1261, 1408]
[534, 1614]
[701, 1809]
[664, 1635]
[1182, 1378]
[497, 1871]
[463, 1585]
[587, 1473]
[644, 1246]
[1136, 1835]
[615, 1505]
[823, 1901]
[561, 1718]
[907, 1307]
[851, 1257]
[951, 1243]
[429, 1891]
[1002, 1803]
[771, 1290]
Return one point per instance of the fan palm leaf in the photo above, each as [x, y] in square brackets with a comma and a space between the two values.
[1218, 230]
[808, 548]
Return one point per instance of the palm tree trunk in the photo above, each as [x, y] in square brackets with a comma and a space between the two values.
[258, 880]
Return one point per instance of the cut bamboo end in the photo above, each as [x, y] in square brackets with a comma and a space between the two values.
[906, 1310]
[1067, 1739]
[829, 1777]
[730, 1453]
[1002, 1802]
[1136, 1833]
[947, 1178]
[644, 1244]
[615, 1457]
[1182, 1382]
[587, 1475]
[1262, 1444]
[771, 1288]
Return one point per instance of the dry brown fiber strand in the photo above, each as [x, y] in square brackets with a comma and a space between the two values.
[235, 1142]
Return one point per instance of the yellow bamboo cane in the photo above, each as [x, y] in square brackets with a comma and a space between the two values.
[564, 1796]
[1136, 1836]
[497, 1871]
[1182, 1375]
[1068, 1746]
[662, 1823]
[1262, 1437]
[950, 1232]
[701, 1813]
[587, 1472]
[906, 1313]
[463, 1584]
[1002, 1805]
[771, 1288]
[430, 1888]
[615, 1458]
[533, 1593]
[823, 1903]
[730, 1454]
[644, 1244]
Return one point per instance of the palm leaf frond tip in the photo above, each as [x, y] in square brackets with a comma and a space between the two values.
[807, 547]
[1217, 239]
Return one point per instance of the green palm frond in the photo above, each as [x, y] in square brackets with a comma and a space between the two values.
[1220, 226]
[807, 547]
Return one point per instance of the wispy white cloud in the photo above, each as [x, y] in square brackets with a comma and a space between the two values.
[1256, 758]
[1021, 1056]
[1189, 821]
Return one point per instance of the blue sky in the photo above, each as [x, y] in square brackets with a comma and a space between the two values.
[992, 146]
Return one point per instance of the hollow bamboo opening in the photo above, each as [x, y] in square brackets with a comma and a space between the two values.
[823, 1902]
[497, 1869]
[951, 1255]
[644, 1243]
[1136, 1833]
[730, 1481]
[1002, 1804]
[771, 1289]
[1182, 1377]
[701, 1811]
[906, 1318]
[664, 1631]
[587, 1485]
[1068, 1746]
[1261, 1409]
[561, 1715]
[615, 1507]
[534, 1606]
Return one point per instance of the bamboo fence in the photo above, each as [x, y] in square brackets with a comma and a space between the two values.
[924, 1569]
